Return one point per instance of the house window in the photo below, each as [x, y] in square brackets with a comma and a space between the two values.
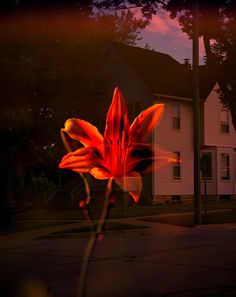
[176, 198]
[206, 165]
[176, 116]
[225, 169]
[176, 166]
[224, 121]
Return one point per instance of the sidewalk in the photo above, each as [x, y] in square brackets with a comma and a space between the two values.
[161, 261]
[153, 226]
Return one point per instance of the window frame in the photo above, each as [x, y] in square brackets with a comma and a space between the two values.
[176, 165]
[176, 118]
[224, 167]
[224, 123]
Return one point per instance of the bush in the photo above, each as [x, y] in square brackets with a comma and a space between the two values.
[39, 191]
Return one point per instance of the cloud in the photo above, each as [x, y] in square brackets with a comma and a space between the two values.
[165, 34]
[159, 25]
[202, 52]
[162, 24]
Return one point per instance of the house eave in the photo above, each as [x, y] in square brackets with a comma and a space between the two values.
[172, 97]
[175, 97]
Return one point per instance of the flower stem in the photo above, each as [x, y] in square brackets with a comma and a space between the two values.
[105, 210]
[68, 147]
[92, 242]
[95, 233]
[86, 208]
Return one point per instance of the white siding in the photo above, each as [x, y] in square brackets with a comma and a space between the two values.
[226, 187]
[212, 134]
[175, 140]
[223, 143]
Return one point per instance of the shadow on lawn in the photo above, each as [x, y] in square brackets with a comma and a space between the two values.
[187, 220]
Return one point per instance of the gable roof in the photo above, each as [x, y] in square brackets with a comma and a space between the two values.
[162, 74]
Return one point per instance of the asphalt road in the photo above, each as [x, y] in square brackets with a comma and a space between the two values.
[162, 261]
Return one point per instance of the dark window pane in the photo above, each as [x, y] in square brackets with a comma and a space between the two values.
[176, 198]
[224, 128]
[176, 165]
[225, 171]
[176, 123]
[176, 172]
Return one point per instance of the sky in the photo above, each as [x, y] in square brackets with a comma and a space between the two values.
[164, 35]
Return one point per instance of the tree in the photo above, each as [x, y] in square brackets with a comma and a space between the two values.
[48, 70]
[85, 7]
[218, 29]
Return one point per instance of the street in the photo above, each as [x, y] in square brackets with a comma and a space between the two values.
[164, 260]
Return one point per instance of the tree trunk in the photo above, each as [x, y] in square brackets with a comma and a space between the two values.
[5, 190]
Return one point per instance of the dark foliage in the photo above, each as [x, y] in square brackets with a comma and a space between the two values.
[48, 63]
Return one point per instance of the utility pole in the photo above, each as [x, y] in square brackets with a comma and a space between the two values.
[196, 116]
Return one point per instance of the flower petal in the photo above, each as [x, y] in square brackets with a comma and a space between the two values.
[142, 127]
[84, 132]
[116, 135]
[117, 121]
[70, 144]
[132, 184]
[140, 158]
[162, 157]
[100, 173]
[79, 161]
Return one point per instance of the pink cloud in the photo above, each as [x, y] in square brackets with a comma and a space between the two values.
[162, 23]
[159, 25]
[166, 32]
[202, 52]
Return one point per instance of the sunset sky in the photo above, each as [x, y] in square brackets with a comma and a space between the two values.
[164, 35]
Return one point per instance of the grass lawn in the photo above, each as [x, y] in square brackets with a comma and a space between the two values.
[118, 211]
[21, 226]
[36, 219]
[188, 220]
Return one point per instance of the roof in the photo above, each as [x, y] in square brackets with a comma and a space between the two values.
[162, 74]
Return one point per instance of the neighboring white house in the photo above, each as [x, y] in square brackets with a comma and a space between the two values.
[220, 145]
[175, 134]
[146, 77]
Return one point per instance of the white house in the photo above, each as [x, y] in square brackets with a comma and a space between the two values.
[146, 77]
[218, 146]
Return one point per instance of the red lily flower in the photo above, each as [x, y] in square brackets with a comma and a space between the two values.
[124, 150]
